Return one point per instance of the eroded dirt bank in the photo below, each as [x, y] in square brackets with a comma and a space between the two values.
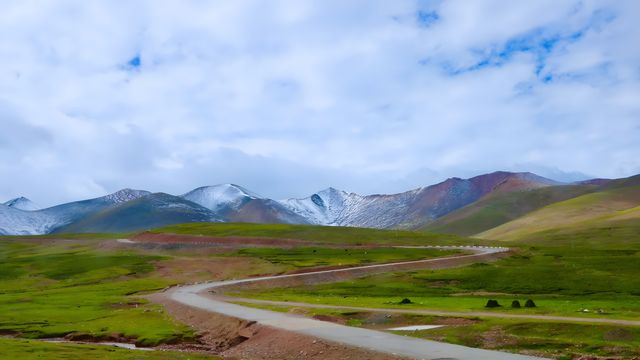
[231, 241]
[237, 339]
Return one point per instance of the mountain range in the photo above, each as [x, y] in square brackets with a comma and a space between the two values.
[459, 206]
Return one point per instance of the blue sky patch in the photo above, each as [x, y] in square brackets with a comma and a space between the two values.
[134, 62]
[426, 18]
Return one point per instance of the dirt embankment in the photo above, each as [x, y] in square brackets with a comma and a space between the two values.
[231, 241]
[237, 339]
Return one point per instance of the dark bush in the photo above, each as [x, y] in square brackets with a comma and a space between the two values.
[405, 301]
[492, 304]
[515, 304]
[529, 304]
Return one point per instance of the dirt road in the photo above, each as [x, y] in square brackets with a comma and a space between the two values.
[195, 296]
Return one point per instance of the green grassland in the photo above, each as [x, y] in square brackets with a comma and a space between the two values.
[560, 284]
[559, 340]
[589, 263]
[56, 290]
[11, 349]
[501, 207]
[93, 287]
[593, 268]
[316, 256]
[323, 234]
[53, 288]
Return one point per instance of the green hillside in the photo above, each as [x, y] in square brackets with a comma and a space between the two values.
[596, 210]
[499, 208]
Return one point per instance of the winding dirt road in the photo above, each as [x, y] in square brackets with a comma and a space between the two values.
[196, 296]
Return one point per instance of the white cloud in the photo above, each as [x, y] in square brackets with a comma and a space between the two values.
[290, 96]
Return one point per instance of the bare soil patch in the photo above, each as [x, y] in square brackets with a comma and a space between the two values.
[496, 338]
[231, 242]
[453, 321]
[189, 270]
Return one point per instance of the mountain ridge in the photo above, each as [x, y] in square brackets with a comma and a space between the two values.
[22, 203]
[412, 209]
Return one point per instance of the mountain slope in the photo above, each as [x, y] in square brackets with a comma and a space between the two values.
[500, 207]
[19, 222]
[74, 211]
[48, 220]
[409, 209]
[236, 204]
[143, 213]
[265, 211]
[22, 203]
[614, 202]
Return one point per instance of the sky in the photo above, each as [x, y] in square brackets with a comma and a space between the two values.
[290, 97]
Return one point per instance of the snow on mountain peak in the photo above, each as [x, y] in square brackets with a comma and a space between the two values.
[326, 207]
[125, 195]
[218, 197]
[22, 203]
[14, 221]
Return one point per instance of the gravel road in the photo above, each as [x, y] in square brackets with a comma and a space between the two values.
[195, 296]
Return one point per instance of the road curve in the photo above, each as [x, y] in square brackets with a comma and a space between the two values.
[364, 338]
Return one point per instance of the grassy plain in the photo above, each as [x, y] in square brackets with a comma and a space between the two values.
[591, 266]
[52, 288]
[558, 340]
[56, 290]
[316, 256]
[323, 234]
[562, 280]
[92, 287]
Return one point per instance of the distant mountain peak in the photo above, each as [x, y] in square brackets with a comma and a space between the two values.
[221, 196]
[125, 195]
[331, 189]
[22, 203]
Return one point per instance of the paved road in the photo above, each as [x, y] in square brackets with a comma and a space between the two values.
[364, 338]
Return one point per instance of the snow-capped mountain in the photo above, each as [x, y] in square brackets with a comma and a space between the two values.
[408, 209]
[128, 210]
[327, 207]
[237, 204]
[221, 198]
[142, 213]
[47, 220]
[22, 203]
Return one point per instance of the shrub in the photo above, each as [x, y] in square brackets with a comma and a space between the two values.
[515, 304]
[492, 304]
[529, 304]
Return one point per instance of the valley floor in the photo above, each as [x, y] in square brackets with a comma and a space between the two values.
[97, 288]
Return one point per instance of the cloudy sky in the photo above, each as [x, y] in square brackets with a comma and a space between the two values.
[289, 97]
